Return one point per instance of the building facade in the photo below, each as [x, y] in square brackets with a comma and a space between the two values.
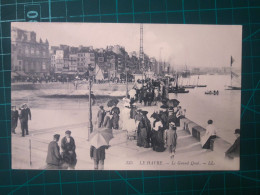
[28, 54]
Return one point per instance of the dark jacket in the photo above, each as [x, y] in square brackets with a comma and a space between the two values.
[14, 117]
[68, 157]
[115, 111]
[66, 147]
[98, 154]
[53, 155]
[234, 150]
[25, 115]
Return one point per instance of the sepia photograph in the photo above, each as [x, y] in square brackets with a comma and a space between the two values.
[111, 96]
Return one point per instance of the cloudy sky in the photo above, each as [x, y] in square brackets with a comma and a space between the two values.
[193, 45]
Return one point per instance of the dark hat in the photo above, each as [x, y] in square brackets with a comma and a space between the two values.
[144, 112]
[56, 136]
[68, 132]
[237, 131]
[164, 107]
[210, 121]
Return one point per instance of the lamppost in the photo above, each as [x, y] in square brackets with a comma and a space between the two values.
[90, 76]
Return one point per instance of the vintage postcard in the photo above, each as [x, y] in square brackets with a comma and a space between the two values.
[104, 96]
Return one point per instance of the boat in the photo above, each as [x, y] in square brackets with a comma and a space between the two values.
[177, 88]
[189, 86]
[233, 88]
[232, 75]
[215, 92]
[185, 73]
[201, 86]
[198, 83]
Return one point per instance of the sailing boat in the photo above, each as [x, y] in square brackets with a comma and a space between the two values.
[198, 83]
[188, 85]
[177, 88]
[232, 75]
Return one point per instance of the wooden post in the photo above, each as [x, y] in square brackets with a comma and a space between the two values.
[90, 126]
[30, 149]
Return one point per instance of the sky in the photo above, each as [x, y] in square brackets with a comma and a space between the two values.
[178, 44]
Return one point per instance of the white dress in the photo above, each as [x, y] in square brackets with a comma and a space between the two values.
[127, 123]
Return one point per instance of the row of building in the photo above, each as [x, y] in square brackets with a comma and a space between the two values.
[38, 57]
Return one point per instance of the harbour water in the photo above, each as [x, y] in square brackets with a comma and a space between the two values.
[223, 109]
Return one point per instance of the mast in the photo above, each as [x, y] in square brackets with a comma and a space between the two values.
[141, 52]
[231, 62]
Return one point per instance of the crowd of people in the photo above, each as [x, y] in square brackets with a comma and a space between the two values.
[152, 127]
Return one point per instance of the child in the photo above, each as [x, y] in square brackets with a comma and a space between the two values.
[171, 139]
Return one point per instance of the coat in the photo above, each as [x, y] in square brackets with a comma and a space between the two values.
[234, 150]
[25, 114]
[14, 118]
[171, 138]
[53, 155]
[69, 158]
[98, 154]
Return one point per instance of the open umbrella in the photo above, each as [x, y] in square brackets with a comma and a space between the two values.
[101, 137]
[173, 103]
[112, 102]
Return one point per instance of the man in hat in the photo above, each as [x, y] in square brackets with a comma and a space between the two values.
[24, 116]
[54, 159]
[14, 119]
[101, 115]
[68, 147]
[234, 150]
[171, 139]
[93, 98]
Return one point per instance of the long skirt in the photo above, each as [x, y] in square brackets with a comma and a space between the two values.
[157, 141]
[142, 138]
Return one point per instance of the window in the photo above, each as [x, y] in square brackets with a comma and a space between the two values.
[26, 50]
[20, 63]
[43, 66]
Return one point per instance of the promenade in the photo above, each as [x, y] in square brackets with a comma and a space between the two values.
[123, 153]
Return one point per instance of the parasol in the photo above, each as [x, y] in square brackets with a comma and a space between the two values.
[112, 102]
[173, 103]
[101, 137]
